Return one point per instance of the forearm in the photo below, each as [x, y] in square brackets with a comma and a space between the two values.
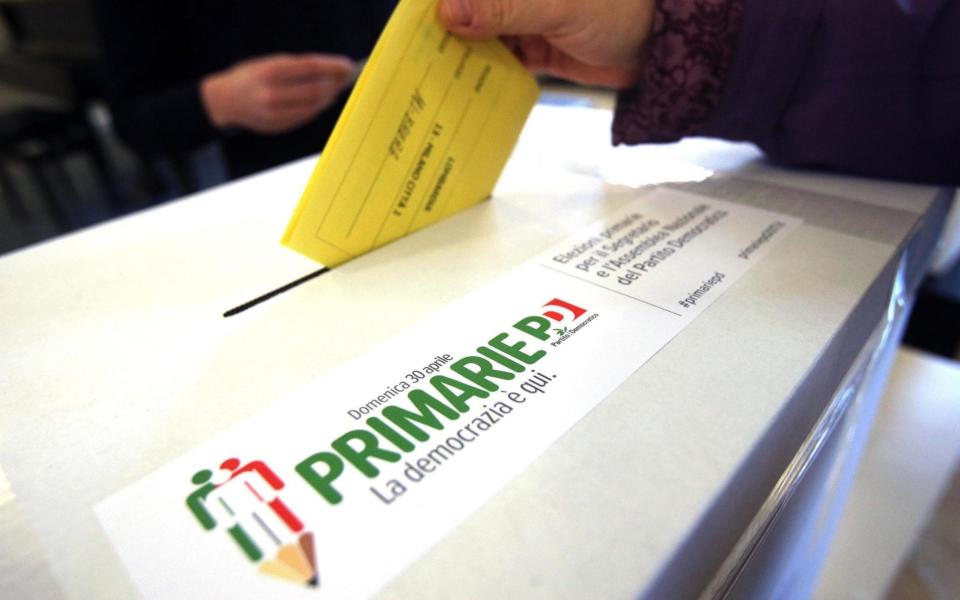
[156, 105]
[170, 121]
[689, 53]
[858, 86]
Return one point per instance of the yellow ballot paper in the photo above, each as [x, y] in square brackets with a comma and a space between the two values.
[425, 134]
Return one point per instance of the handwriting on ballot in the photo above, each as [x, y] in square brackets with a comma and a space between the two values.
[425, 134]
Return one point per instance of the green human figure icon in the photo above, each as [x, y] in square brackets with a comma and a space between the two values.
[197, 504]
[245, 500]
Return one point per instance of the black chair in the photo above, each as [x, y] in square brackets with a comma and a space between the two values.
[41, 141]
[53, 54]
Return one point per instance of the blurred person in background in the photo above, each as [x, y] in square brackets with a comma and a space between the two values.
[264, 79]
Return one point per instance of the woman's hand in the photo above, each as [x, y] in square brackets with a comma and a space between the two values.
[276, 93]
[595, 42]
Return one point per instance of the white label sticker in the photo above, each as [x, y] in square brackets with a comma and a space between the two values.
[390, 452]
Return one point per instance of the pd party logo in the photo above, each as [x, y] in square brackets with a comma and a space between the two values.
[246, 506]
[558, 310]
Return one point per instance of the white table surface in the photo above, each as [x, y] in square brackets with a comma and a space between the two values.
[115, 359]
[911, 459]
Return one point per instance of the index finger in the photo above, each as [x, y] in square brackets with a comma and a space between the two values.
[312, 67]
[491, 18]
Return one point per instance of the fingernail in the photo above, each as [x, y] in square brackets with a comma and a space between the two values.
[457, 12]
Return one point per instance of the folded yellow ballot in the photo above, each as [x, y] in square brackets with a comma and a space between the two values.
[425, 134]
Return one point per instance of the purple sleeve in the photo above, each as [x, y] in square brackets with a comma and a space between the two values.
[869, 87]
[690, 51]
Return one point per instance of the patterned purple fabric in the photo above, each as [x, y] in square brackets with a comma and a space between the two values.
[867, 87]
[692, 46]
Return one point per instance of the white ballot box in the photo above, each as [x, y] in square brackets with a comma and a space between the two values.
[715, 465]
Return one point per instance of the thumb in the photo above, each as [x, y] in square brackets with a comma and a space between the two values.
[490, 18]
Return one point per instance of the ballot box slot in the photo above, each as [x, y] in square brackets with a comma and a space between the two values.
[236, 310]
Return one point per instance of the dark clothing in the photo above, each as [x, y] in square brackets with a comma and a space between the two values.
[158, 51]
[869, 87]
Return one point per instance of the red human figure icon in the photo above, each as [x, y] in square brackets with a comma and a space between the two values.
[276, 504]
[244, 500]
